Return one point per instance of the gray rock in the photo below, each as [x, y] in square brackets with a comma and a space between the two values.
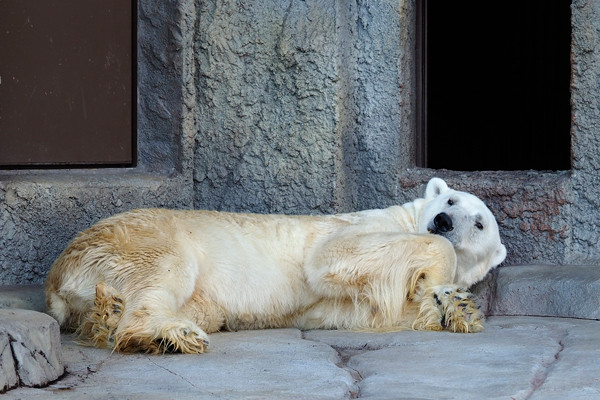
[30, 349]
[556, 291]
[8, 373]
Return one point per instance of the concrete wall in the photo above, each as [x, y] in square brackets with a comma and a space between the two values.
[298, 107]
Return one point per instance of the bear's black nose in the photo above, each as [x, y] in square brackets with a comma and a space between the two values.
[443, 222]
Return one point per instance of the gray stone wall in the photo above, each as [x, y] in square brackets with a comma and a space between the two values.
[304, 106]
[298, 107]
[267, 97]
[585, 176]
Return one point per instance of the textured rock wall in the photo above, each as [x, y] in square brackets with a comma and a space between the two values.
[40, 216]
[299, 107]
[163, 72]
[267, 75]
[585, 176]
[304, 106]
[383, 138]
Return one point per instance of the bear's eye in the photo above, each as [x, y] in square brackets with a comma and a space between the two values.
[478, 225]
[450, 202]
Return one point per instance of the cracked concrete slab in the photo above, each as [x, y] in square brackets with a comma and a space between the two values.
[514, 358]
[576, 372]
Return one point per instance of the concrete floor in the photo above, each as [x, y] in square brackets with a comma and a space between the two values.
[514, 358]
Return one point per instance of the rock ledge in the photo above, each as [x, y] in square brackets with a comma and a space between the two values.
[30, 349]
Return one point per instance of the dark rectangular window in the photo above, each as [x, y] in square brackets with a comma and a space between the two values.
[67, 83]
[494, 85]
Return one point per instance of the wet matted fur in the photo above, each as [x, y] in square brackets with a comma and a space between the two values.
[157, 280]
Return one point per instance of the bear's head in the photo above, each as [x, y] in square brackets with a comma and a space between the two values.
[468, 224]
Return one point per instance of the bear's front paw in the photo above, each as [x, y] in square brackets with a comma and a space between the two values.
[451, 308]
[462, 314]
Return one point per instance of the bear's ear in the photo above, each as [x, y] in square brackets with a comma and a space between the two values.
[499, 256]
[435, 187]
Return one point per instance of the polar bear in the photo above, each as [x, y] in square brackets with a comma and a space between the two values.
[157, 280]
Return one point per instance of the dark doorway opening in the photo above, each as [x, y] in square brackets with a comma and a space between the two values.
[494, 85]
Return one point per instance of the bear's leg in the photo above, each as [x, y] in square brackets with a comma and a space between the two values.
[151, 326]
[151, 333]
[144, 324]
[204, 312]
[448, 307]
[387, 272]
